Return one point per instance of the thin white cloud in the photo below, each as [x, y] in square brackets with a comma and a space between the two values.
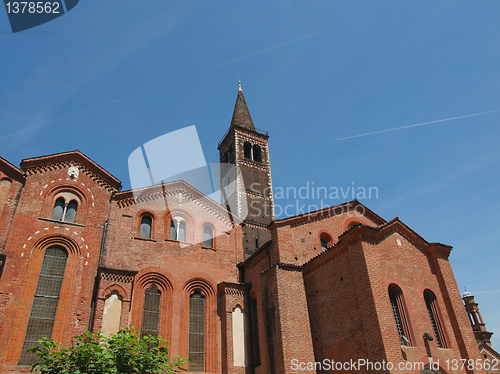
[485, 292]
[264, 50]
[419, 124]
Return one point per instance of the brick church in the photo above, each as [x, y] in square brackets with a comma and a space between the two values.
[314, 292]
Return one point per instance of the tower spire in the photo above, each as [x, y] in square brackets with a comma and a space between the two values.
[241, 114]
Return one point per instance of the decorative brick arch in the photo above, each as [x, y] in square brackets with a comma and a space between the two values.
[54, 192]
[207, 289]
[327, 237]
[186, 216]
[60, 331]
[114, 288]
[144, 280]
[68, 243]
[234, 304]
[351, 221]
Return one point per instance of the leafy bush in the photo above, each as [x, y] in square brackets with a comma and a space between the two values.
[122, 353]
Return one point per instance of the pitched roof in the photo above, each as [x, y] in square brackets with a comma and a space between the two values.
[10, 170]
[241, 114]
[483, 346]
[331, 211]
[76, 156]
[360, 232]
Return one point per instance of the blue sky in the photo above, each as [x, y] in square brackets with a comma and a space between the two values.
[114, 74]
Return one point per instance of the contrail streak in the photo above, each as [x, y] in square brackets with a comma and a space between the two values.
[419, 124]
[264, 50]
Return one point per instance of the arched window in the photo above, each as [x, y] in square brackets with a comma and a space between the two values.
[71, 211]
[326, 241]
[64, 212]
[398, 311]
[145, 231]
[178, 229]
[437, 328]
[173, 230]
[5, 183]
[44, 308]
[196, 332]
[58, 212]
[151, 312]
[257, 154]
[208, 236]
[247, 148]
[182, 231]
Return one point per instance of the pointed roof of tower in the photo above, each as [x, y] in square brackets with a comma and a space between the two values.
[241, 115]
[467, 294]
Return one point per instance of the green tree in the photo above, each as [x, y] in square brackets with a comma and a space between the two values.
[123, 353]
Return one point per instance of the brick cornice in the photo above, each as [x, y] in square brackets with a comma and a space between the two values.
[56, 161]
[172, 189]
[329, 212]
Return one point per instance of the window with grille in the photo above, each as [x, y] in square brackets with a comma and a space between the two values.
[44, 308]
[430, 302]
[397, 305]
[145, 231]
[151, 312]
[197, 332]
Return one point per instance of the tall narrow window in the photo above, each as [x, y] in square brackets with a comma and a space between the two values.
[197, 332]
[58, 212]
[182, 231]
[208, 237]
[257, 154]
[323, 245]
[430, 302]
[255, 333]
[145, 232]
[173, 230]
[247, 149]
[151, 312]
[398, 311]
[178, 229]
[44, 308]
[71, 211]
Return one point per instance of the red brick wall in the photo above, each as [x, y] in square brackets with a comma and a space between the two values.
[32, 232]
[178, 269]
[344, 323]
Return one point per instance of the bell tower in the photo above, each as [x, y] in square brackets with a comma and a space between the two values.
[247, 147]
[475, 319]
